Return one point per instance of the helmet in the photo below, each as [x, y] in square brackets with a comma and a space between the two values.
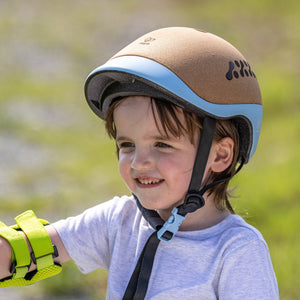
[193, 69]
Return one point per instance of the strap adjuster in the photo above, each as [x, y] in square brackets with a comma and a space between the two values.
[54, 255]
[18, 271]
[170, 227]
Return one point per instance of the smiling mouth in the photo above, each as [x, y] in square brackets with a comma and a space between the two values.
[148, 182]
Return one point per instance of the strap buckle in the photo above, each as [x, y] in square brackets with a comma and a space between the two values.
[170, 227]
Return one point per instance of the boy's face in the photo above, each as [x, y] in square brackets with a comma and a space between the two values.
[154, 167]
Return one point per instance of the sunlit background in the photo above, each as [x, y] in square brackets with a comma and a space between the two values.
[55, 157]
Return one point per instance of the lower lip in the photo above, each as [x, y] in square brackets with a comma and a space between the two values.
[148, 186]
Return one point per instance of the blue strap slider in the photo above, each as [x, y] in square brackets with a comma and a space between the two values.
[170, 227]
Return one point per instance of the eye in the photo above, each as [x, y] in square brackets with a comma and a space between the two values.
[163, 145]
[126, 146]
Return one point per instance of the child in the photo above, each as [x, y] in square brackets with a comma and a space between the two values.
[184, 108]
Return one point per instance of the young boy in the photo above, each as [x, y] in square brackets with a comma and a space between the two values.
[184, 108]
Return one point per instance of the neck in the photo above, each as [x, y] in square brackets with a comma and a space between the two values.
[207, 216]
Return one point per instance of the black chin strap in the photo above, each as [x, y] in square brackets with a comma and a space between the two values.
[194, 198]
[138, 284]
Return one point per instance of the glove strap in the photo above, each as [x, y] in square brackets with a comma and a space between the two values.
[20, 255]
[42, 255]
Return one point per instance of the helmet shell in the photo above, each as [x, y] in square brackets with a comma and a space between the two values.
[194, 69]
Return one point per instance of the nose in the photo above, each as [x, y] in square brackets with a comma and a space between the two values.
[142, 160]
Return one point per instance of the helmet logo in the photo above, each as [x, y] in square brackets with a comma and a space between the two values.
[239, 68]
[147, 41]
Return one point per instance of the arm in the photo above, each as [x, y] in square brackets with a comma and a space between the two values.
[30, 251]
[63, 255]
[6, 252]
[5, 258]
[247, 273]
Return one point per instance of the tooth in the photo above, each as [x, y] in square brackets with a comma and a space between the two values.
[148, 181]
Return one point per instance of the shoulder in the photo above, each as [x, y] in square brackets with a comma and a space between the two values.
[116, 208]
[237, 235]
[102, 215]
[117, 204]
[120, 209]
[241, 239]
[246, 265]
[239, 232]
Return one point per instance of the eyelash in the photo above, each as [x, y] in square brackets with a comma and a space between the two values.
[162, 145]
[127, 145]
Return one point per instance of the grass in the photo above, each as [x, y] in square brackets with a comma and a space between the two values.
[55, 156]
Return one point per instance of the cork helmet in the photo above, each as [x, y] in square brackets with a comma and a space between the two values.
[193, 69]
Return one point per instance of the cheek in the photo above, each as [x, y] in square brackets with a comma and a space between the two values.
[179, 169]
[124, 167]
[182, 169]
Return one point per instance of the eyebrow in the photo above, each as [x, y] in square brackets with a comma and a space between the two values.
[154, 137]
[161, 137]
[122, 138]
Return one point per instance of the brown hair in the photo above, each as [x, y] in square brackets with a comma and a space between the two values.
[164, 114]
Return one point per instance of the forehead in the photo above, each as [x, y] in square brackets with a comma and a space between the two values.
[134, 103]
[141, 110]
[132, 109]
[139, 107]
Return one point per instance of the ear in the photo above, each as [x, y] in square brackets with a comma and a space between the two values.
[222, 155]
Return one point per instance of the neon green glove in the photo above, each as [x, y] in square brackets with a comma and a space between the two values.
[42, 255]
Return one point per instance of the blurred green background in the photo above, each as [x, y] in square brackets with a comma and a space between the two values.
[55, 157]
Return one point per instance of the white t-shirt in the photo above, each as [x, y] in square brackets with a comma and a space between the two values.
[227, 261]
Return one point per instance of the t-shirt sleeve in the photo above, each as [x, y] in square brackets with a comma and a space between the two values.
[86, 236]
[247, 273]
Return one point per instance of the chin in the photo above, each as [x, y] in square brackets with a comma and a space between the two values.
[158, 208]
[159, 205]
[149, 205]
